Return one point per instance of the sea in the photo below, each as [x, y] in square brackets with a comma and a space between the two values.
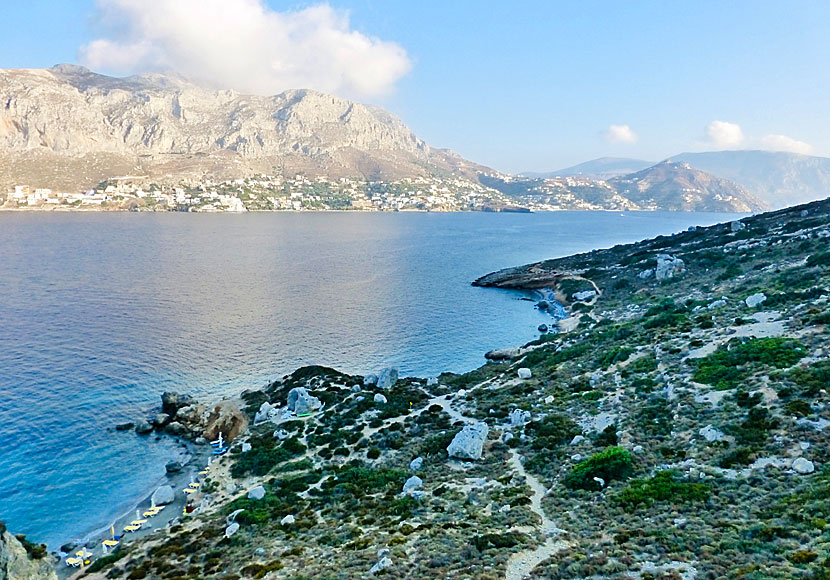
[102, 312]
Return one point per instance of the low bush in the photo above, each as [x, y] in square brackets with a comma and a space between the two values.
[552, 431]
[610, 464]
[731, 363]
[664, 486]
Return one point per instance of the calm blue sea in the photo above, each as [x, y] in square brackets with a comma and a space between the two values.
[100, 313]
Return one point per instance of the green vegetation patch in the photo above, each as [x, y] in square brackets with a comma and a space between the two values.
[811, 379]
[732, 363]
[608, 465]
[265, 454]
[552, 431]
[664, 486]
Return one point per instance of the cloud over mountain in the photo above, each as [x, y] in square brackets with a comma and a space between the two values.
[724, 134]
[244, 45]
[620, 134]
[784, 143]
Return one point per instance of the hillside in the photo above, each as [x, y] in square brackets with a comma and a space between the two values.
[67, 127]
[778, 178]
[676, 427]
[679, 187]
[665, 186]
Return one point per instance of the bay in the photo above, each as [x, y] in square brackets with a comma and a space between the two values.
[100, 313]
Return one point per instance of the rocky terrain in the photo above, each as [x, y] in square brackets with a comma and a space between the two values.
[67, 127]
[675, 427]
[22, 560]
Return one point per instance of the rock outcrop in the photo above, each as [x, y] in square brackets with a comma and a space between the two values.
[301, 401]
[17, 564]
[226, 418]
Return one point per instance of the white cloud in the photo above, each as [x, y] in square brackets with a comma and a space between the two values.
[620, 134]
[784, 143]
[244, 45]
[724, 134]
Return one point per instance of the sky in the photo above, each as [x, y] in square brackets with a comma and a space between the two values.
[517, 86]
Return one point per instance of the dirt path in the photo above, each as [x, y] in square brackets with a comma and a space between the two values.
[522, 564]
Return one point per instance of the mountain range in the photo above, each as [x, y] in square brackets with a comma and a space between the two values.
[69, 128]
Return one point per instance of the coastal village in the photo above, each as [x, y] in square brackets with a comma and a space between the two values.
[267, 193]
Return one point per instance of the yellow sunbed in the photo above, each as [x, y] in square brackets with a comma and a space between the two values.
[110, 543]
[138, 522]
[189, 490]
[75, 562]
[132, 528]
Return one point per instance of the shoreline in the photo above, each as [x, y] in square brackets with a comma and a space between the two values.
[194, 461]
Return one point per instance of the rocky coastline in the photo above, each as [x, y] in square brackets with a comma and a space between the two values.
[674, 426]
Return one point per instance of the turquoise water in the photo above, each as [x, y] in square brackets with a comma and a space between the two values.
[100, 313]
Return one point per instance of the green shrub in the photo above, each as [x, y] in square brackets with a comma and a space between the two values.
[819, 259]
[644, 364]
[664, 486]
[655, 417]
[608, 437]
[614, 355]
[811, 379]
[35, 551]
[739, 456]
[608, 465]
[498, 541]
[552, 431]
[729, 364]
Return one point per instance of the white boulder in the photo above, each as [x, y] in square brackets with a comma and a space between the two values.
[257, 493]
[301, 401]
[803, 466]
[711, 434]
[379, 398]
[668, 267]
[524, 373]
[755, 299]
[469, 442]
[163, 495]
[287, 520]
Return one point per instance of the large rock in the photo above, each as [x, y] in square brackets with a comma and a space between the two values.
[370, 380]
[519, 417]
[301, 401]
[267, 412]
[755, 299]
[143, 427]
[163, 495]
[160, 420]
[257, 493]
[711, 434]
[382, 564]
[379, 398]
[288, 520]
[173, 467]
[524, 373]
[668, 267]
[502, 354]
[231, 529]
[17, 564]
[416, 464]
[469, 442]
[226, 418]
[172, 402]
[803, 466]
[387, 378]
[412, 484]
[190, 415]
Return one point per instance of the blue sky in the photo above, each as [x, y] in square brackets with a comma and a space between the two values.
[537, 85]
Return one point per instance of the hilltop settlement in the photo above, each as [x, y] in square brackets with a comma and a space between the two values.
[672, 425]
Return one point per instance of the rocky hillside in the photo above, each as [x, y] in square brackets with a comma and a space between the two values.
[666, 186]
[601, 168]
[69, 127]
[679, 187]
[675, 427]
[22, 560]
[778, 178]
